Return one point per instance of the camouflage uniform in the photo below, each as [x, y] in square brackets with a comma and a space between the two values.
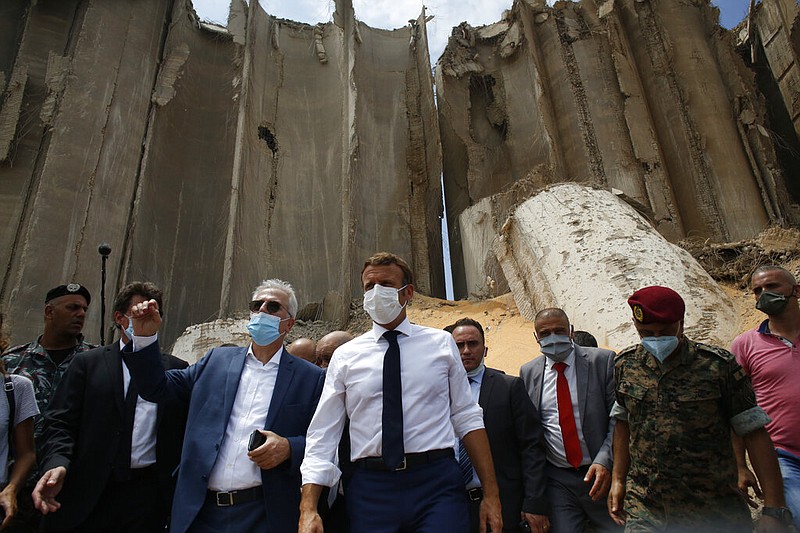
[680, 413]
[33, 362]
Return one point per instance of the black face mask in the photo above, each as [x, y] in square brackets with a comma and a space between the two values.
[772, 303]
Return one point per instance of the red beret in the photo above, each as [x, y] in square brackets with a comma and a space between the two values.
[657, 304]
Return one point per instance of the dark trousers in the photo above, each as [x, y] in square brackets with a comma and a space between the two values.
[427, 498]
[571, 506]
[240, 518]
[132, 506]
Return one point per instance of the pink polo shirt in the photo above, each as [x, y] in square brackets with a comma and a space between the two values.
[773, 364]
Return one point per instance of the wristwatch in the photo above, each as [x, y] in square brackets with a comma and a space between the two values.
[782, 514]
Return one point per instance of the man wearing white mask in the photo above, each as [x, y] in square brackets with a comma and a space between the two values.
[249, 409]
[405, 391]
[573, 389]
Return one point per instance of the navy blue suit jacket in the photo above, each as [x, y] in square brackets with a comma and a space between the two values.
[209, 388]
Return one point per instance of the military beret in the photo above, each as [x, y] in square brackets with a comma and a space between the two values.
[64, 290]
[657, 304]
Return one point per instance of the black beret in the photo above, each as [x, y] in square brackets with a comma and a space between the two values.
[64, 290]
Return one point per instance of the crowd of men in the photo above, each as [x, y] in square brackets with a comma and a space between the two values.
[403, 428]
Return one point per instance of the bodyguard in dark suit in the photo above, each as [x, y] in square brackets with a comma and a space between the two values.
[515, 436]
[230, 393]
[108, 455]
[573, 389]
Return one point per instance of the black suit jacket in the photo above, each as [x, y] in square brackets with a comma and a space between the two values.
[517, 442]
[84, 429]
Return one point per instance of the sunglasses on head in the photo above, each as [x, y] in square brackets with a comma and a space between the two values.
[272, 306]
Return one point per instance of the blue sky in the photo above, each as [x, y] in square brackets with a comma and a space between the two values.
[396, 13]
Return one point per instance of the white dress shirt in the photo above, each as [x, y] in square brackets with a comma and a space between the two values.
[233, 470]
[437, 404]
[549, 412]
[143, 438]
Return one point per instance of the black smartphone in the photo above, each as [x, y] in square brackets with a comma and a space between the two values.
[256, 439]
[523, 526]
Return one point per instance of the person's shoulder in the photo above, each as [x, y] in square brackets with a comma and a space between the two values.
[714, 352]
[21, 382]
[626, 355]
[17, 351]
[595, 353]
[301, 364]
[433, 333]
[531, 365]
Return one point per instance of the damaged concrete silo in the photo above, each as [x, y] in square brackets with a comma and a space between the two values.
[646, 97]
[210, 159]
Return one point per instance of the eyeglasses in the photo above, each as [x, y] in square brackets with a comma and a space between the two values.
[272, 306]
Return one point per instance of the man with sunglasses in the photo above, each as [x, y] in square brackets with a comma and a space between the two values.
[259, 398]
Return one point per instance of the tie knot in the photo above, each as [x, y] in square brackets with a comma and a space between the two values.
[391, 335]
[560, 367]
[471, 380]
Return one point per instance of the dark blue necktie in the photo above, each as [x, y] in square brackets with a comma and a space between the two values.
[393, 451]
[463, 457]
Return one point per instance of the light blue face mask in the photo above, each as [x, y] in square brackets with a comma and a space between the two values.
[129, 329]
[660, 347]
[264, 328]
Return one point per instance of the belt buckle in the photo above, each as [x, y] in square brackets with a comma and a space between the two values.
[475, 494]
[228, 503]
[402, 466]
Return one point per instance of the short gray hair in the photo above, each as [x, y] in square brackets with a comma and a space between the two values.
[282, 286]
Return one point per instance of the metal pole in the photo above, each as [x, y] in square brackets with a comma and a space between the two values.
[104, 249]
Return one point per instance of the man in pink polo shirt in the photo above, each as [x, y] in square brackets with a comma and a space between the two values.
[770, 354]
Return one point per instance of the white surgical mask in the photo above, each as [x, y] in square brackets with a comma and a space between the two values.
[660, 347]
[556, 347]
[381, 303]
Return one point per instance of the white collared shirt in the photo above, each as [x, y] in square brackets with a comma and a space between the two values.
[437, 404]
[143, 438]
[549, 412]
[233, 470]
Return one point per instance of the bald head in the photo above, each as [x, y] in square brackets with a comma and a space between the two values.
[328, 344]
[780, 272]
[551, 321]
[303, 348]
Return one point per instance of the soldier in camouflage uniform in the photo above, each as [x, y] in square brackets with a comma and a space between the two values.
[44, 361]
[677, 401]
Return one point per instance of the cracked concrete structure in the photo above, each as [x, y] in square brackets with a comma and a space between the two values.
[647, 97]
[210, 158]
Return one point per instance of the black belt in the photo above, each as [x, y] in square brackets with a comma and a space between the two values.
[410, 459]
[234, 497]
[475, 495]
[134, 474]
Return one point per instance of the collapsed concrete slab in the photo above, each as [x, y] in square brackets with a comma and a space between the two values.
[586, 251]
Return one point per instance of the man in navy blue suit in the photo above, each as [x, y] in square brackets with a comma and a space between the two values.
[230, 393]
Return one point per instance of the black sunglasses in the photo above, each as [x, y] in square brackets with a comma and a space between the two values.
[273, 306]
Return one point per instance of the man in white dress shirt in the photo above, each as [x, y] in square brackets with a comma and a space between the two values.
[573, 389]
[405, 391]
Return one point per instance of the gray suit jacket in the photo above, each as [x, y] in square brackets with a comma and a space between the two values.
[594, 369]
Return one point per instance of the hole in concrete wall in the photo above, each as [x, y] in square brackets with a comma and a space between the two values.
[488, 118]
[266, 135]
